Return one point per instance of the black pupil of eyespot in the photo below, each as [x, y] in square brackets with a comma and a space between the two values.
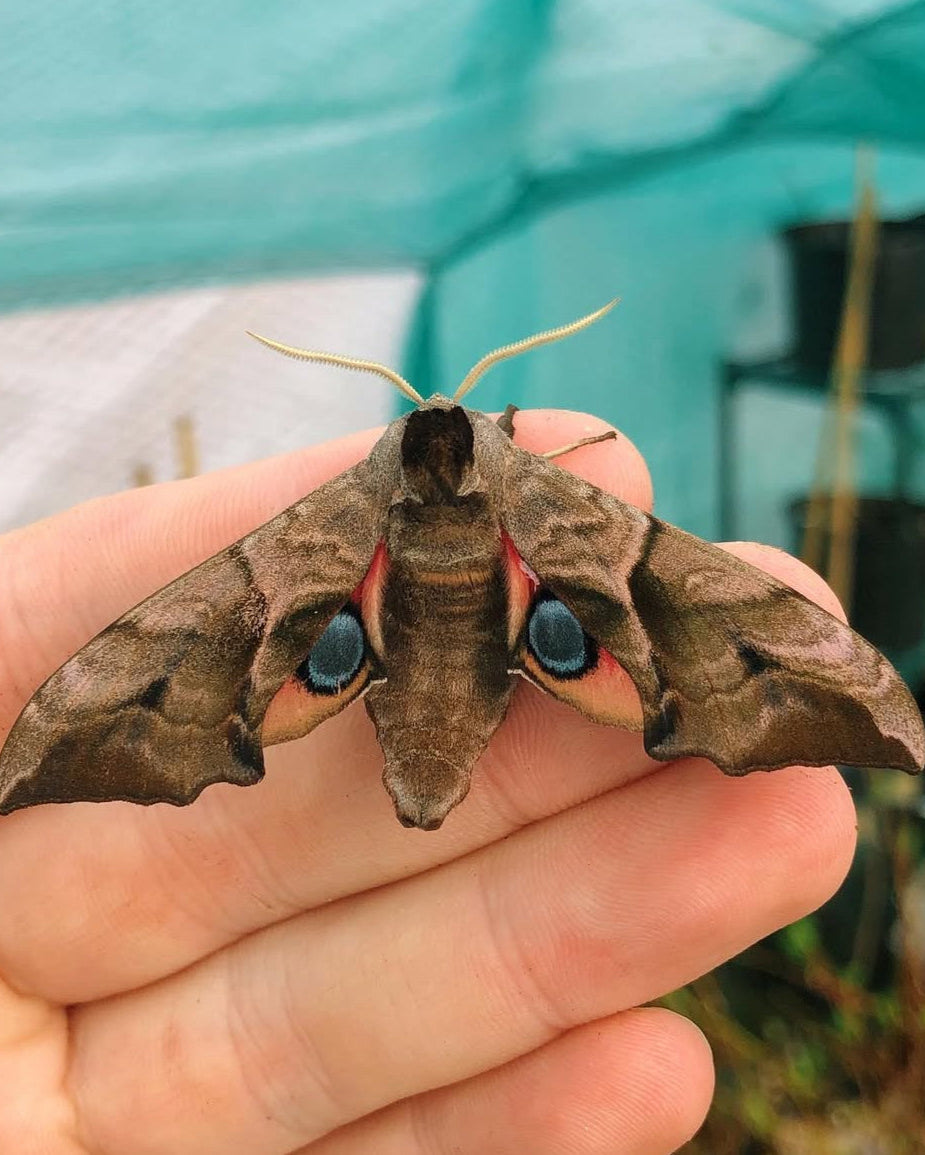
[557, 640]
[336, 657]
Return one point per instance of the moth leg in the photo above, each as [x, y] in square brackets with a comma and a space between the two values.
[506, 420]
[610, 435]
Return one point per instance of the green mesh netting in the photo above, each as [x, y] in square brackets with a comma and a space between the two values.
[534, 158]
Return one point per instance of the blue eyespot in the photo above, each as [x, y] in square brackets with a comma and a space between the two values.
[557, 641]
[336, 657]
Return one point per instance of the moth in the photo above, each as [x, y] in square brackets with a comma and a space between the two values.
[426, 578]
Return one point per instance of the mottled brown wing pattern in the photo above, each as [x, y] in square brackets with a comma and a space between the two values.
[171, 697]
[729, 663]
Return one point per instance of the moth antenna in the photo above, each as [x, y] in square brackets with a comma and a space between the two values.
[544, 338]
[345, 363]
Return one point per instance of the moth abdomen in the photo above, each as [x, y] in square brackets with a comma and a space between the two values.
[446, 661]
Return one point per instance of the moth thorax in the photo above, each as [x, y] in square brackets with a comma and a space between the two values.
[436, 453]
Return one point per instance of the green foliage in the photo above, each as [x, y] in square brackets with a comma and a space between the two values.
[819, 1031]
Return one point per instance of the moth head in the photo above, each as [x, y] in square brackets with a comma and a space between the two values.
[478, 369]
[437, 446]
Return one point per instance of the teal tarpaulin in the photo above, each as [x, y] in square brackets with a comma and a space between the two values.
[534, 158]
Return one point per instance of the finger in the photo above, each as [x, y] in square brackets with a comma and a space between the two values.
[639, 1083]
[132, 899]
[35, 1111]
[329, 1016]
[136, 893]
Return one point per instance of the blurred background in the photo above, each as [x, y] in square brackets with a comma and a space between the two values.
[419, 183]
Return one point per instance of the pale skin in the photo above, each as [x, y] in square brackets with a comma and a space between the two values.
[285, 969]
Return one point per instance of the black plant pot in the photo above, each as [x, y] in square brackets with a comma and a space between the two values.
[819, 263]
[889, 569]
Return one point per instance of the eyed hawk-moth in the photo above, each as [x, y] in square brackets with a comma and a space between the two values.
[426, 577]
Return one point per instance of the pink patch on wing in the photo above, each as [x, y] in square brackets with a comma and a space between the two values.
[368, 597]
[295, 710]
[522, 584]
[604, 694]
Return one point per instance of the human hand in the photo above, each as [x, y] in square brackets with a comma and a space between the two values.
[285, 969]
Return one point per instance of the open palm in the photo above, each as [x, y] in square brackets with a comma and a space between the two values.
[286, 969]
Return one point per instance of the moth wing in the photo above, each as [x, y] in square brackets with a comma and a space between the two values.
[729, 663]
[170, 698]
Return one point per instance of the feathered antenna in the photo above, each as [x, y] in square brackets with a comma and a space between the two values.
[345, 363]
[527, 343]
[471, 377]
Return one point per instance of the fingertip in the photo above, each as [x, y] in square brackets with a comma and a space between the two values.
[615, 466]
[661, 1063]
[639, 1082]
[675, 1056]
[826, 835]
[796, 830]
